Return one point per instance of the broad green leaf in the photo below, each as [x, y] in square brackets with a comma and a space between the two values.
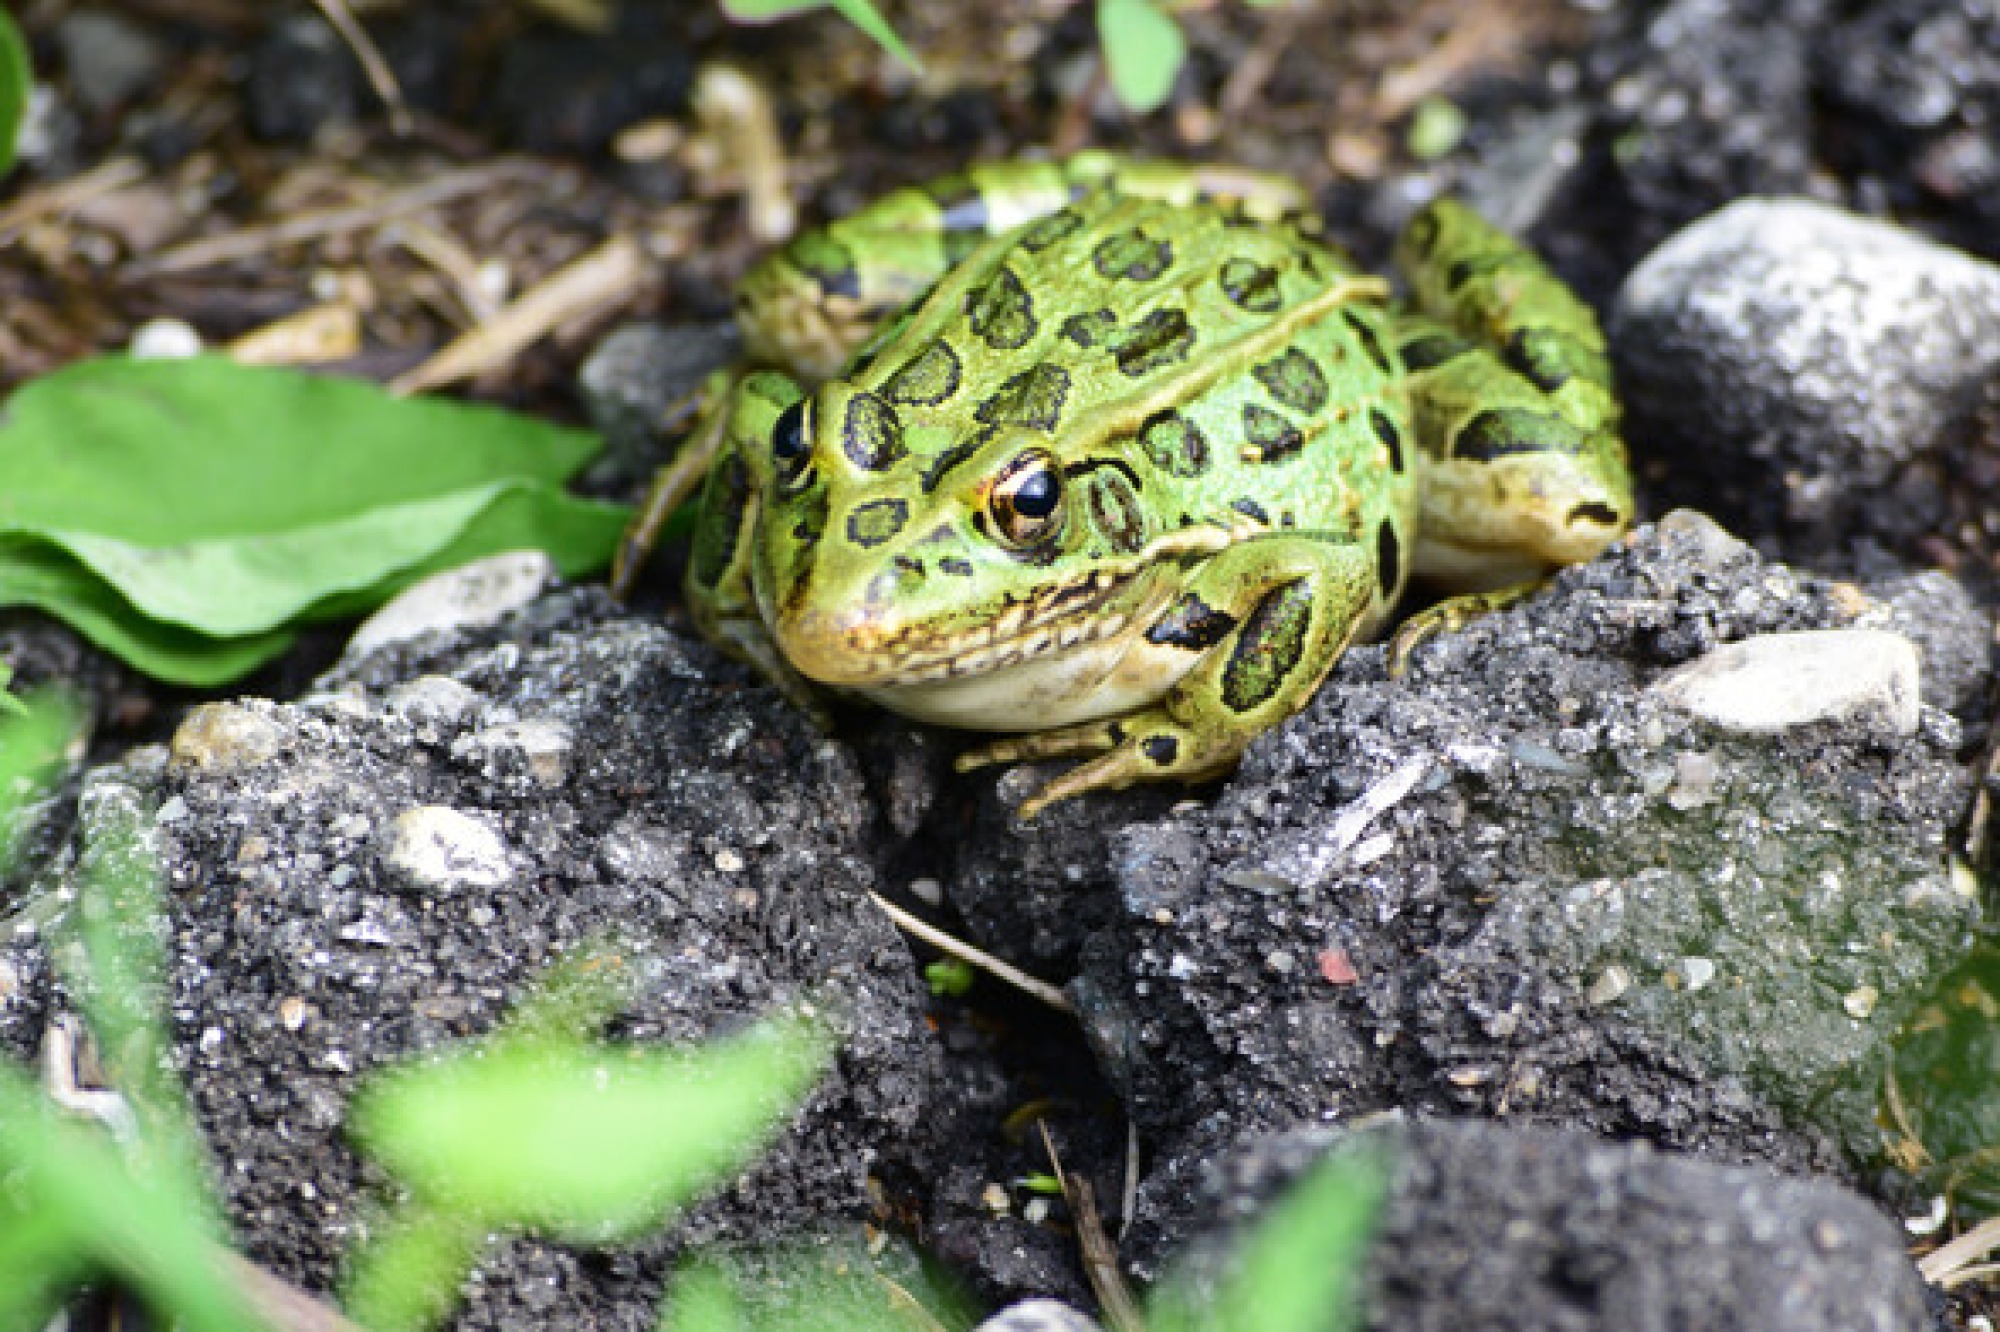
[67, 1182]
[16, 81]
[580, 1139]
[34, 573]
[231, 501]
[1143, 51]
[1296, 1270]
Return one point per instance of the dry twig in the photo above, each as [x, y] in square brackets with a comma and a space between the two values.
[965, 952]
[600, 281]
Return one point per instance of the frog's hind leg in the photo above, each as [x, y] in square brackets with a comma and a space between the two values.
[709, 408]
[1265, 620]
[1522, 469]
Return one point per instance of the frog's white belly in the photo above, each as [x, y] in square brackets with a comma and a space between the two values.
[1092, 680]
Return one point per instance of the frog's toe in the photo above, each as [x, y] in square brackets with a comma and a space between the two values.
[1081, 740]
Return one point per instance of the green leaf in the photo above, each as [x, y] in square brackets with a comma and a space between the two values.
[211, 501]
[861, 13]
[578, 1139]
[34, 736]
[16, 81]
[34, 573]
[1143, 51]
[1296, 1271]
[85, 1209]
[407, 1272]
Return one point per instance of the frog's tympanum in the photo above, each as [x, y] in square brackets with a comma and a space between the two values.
[1121, 456]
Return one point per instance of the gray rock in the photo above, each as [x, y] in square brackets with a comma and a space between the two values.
[1499, 1228]
[1516, 883]
[467, 597]
[1808, 370]
[1863, 678]
[702, 827]
[633, 380]
[110, 58]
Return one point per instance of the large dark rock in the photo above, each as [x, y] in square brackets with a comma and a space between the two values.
[1810, 375]
[1502, 1228]
[379, 869]
[1523, 883]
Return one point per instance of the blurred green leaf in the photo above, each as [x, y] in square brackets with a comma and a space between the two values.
[16, 81]
[71, 1191]
[35, 733]
[407, 1273]
[1143, 51]
[861, 13]
[185, 514]
[1296, 1270]
[579, 1139]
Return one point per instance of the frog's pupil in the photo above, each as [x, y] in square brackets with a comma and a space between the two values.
[1035, 497]
[788, 436]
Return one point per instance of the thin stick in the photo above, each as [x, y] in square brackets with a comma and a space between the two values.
[380, 77]
[965, 952]
[1100, 1259]
[1941, 1264]
[108, 178]
[604, 279]
[250, 241]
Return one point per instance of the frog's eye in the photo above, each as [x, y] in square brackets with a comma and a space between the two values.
[1027, 499]
[791, 445]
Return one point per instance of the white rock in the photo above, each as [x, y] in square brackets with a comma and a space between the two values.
[464, 598]
[1038, 1316]
[1860, 677]
[435, 849]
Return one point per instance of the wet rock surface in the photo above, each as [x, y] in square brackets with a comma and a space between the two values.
[1500, 1227]
[379, 869]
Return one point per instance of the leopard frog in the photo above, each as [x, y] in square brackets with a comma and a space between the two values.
[1119, 457]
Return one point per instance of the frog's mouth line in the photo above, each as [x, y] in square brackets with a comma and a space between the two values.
[1056, 620]
[1067, 617]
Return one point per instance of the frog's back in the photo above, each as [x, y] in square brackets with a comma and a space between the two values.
[1241, 372]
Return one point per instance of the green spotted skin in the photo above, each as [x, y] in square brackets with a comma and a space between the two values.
[1120, 457]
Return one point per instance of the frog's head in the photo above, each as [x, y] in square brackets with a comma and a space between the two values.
[893, 551]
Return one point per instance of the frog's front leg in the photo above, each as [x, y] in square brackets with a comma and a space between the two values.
[1264, 621]
[719, 587]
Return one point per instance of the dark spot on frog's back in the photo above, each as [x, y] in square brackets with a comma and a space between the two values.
[1388, 559]
[1174, 444]
[1032, 399]
[1161, 749]
[1252, 510]
[1392, 438]
[926, 379]
[1088, 329]
[1161, 339]
[1294, 379]
[1191, 625]
[956, 567]
[1371, 342]
[1269, 437]
[871, 434]
[870, 524]
[1422, 232]
[1002, 313]
[1250, 285]
[1045, 232]
[1131, 255]
[1502, 431]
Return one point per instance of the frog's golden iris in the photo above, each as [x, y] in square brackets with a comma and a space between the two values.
[1123, 458]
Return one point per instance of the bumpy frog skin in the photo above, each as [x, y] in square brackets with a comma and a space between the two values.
[1121, 457]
